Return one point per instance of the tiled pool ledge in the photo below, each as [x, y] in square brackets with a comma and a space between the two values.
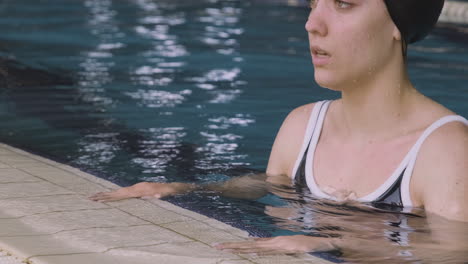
[454, 12]
[45, 217]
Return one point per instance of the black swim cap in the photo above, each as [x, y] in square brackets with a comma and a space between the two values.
[414, 18]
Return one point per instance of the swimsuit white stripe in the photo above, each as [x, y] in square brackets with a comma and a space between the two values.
[413, 153]
[309, 170]
[308, 134]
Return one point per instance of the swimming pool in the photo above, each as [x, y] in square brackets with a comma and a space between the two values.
[188, 91]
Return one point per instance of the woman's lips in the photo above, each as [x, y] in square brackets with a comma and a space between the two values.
[320, 57]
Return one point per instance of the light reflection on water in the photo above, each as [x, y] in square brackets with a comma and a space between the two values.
[195, 91]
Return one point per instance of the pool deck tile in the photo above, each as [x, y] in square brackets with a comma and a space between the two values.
[195, 250]
[201, 232]
[65, 179]
[101, 182]
[133, 259]
[17, 161]
[148, 211]
[5, 215]
[103, 239]
[6, 258]
[27, 246]
[14, 227]
[46, 218]
[26, 206]
[235, 262]
[83, 258]
[81, 219]
[14, 176]
[30, 189]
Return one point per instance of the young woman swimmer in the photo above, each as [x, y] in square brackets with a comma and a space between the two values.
[382, 141]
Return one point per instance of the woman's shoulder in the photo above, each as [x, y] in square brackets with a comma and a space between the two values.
[298, 119]
[445, 129]
[289, 140]
[449, 132]
[448, 137]
[441, 167]
[448, 128]
[300, 113]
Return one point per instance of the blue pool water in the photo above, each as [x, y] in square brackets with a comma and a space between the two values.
[190, 91]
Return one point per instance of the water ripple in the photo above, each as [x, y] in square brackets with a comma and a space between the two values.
[158, 98]
[220, 138]
[173, 20]
[226, 122]
[224, 97]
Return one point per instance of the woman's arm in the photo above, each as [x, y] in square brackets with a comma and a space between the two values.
[441, 172]
[288, 141]
[143, 189]
[251, 187]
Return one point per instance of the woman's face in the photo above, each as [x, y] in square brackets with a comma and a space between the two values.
[351, 41]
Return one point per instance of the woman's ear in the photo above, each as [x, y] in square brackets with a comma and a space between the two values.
[396, 33]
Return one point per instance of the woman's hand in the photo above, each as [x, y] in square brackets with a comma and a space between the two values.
[280, 245]
[142, 189]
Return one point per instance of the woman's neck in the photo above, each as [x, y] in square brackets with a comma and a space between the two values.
[375, 109]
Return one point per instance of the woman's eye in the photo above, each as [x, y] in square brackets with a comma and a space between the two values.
[343, 4]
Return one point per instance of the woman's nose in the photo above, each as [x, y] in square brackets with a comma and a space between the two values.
[316, 22]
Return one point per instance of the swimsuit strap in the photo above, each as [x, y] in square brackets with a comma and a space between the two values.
[311, 127]
[309, 159]
[413, 153]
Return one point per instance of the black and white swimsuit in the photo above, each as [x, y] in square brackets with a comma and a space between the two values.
[394, 191]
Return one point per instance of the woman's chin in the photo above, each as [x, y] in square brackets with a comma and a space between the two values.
[328, 81]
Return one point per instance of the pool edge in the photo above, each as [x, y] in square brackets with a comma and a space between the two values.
[40, 228]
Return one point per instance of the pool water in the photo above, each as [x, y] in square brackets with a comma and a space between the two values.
[191, 91]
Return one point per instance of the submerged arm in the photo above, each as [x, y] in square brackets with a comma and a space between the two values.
[250, 187]
[368, 239]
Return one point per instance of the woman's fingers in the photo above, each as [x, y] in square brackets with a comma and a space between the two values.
[142, 189]
[101, 197]
[97, 196]
[108, 196]
[235, 245]
[256, 245]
